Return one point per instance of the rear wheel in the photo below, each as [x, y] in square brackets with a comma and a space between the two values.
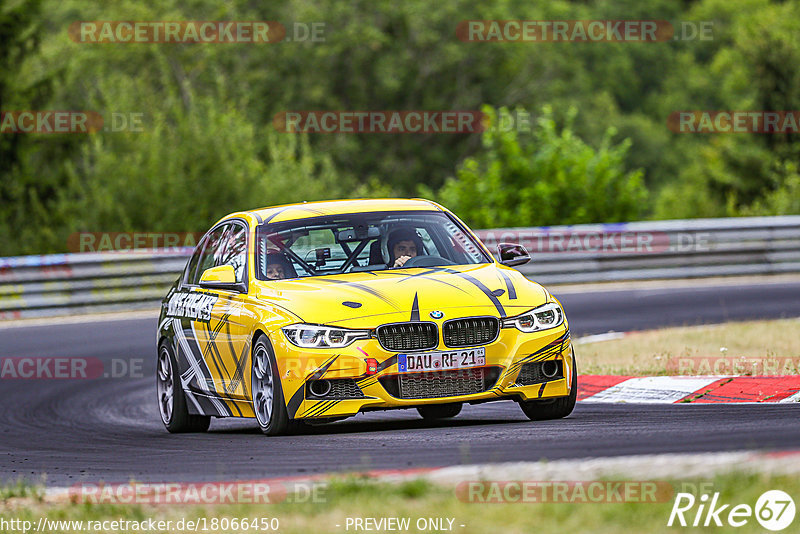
[268, 404]
[439, 411]
[543, 410]
[171, 399]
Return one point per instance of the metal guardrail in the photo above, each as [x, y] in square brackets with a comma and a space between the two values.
[64, 284]
[694, 248]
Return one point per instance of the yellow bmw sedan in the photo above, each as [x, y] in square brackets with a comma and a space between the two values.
[319, 311]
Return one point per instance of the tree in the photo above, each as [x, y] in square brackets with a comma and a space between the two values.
[548, 177]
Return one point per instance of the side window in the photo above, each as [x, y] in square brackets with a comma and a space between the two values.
[235, 253]
[191, 267]
[211, 252]
[463, 247]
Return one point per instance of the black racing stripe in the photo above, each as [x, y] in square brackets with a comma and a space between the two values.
[257, 216]
[554, 347]
[406, 276]
[311, 210]
[216, 357]
[477, 283]
[566, 342]
[211, 352]
[238, 374]
[388, 362]
[208, 407]
[194, 353]
[317, 409]
[426, 276]
[240, 369]
[541, 356]
[241, 360]
[322, 370]
[297, 399]
[234, 380]
[268, 219]
[329, 407]
[430, 270]
[512, 292]
[541, 390]
[212, 342]
[415, 308]
[313, 408]
[364, 288]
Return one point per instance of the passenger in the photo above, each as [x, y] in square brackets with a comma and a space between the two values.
[278, 266]
[404, 243]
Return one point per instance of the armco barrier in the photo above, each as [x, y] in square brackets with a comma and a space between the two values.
[694, 248]
[64, 284]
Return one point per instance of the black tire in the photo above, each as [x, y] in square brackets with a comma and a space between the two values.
[553, 409]
[276, 421]
[439, 411]
[177, 418]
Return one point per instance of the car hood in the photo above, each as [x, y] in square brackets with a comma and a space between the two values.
[366, 300]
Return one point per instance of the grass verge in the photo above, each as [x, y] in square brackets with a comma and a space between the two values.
[655, 352]
[420, 500]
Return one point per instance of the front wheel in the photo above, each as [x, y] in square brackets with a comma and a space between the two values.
[171, 399]
[268, 404]
[538, 410]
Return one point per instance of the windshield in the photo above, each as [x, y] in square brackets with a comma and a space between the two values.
[361, 242]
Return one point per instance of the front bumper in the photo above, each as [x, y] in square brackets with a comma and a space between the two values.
[506, 356]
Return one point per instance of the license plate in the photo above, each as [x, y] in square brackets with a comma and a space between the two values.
[441, 361]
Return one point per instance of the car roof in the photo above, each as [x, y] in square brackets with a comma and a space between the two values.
[307, 210]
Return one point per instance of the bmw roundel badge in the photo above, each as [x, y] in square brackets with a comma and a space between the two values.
[436, 314]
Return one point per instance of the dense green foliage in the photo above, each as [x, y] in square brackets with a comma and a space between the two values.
[599, 150]
[552, 178]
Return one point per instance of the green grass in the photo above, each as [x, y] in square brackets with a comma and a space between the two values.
[20, 489]
[658, 352]
[361, 497]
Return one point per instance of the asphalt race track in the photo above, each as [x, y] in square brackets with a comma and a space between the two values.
[109, 429]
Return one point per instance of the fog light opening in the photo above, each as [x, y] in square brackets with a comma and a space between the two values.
[550, 368]
[319, 388]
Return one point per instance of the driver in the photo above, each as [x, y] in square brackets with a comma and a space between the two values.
[404, 243]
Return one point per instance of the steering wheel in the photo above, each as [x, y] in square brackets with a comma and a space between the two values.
[427, 261]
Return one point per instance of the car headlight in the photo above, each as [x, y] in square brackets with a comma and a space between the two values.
[309, 336]
[541, 318]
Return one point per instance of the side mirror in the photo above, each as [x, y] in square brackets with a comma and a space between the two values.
[512, 254]
[221, 277]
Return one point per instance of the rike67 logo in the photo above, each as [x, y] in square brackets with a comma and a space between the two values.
[774, 510]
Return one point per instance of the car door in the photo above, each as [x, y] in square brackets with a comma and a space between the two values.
[222, 336]
[188, 306]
